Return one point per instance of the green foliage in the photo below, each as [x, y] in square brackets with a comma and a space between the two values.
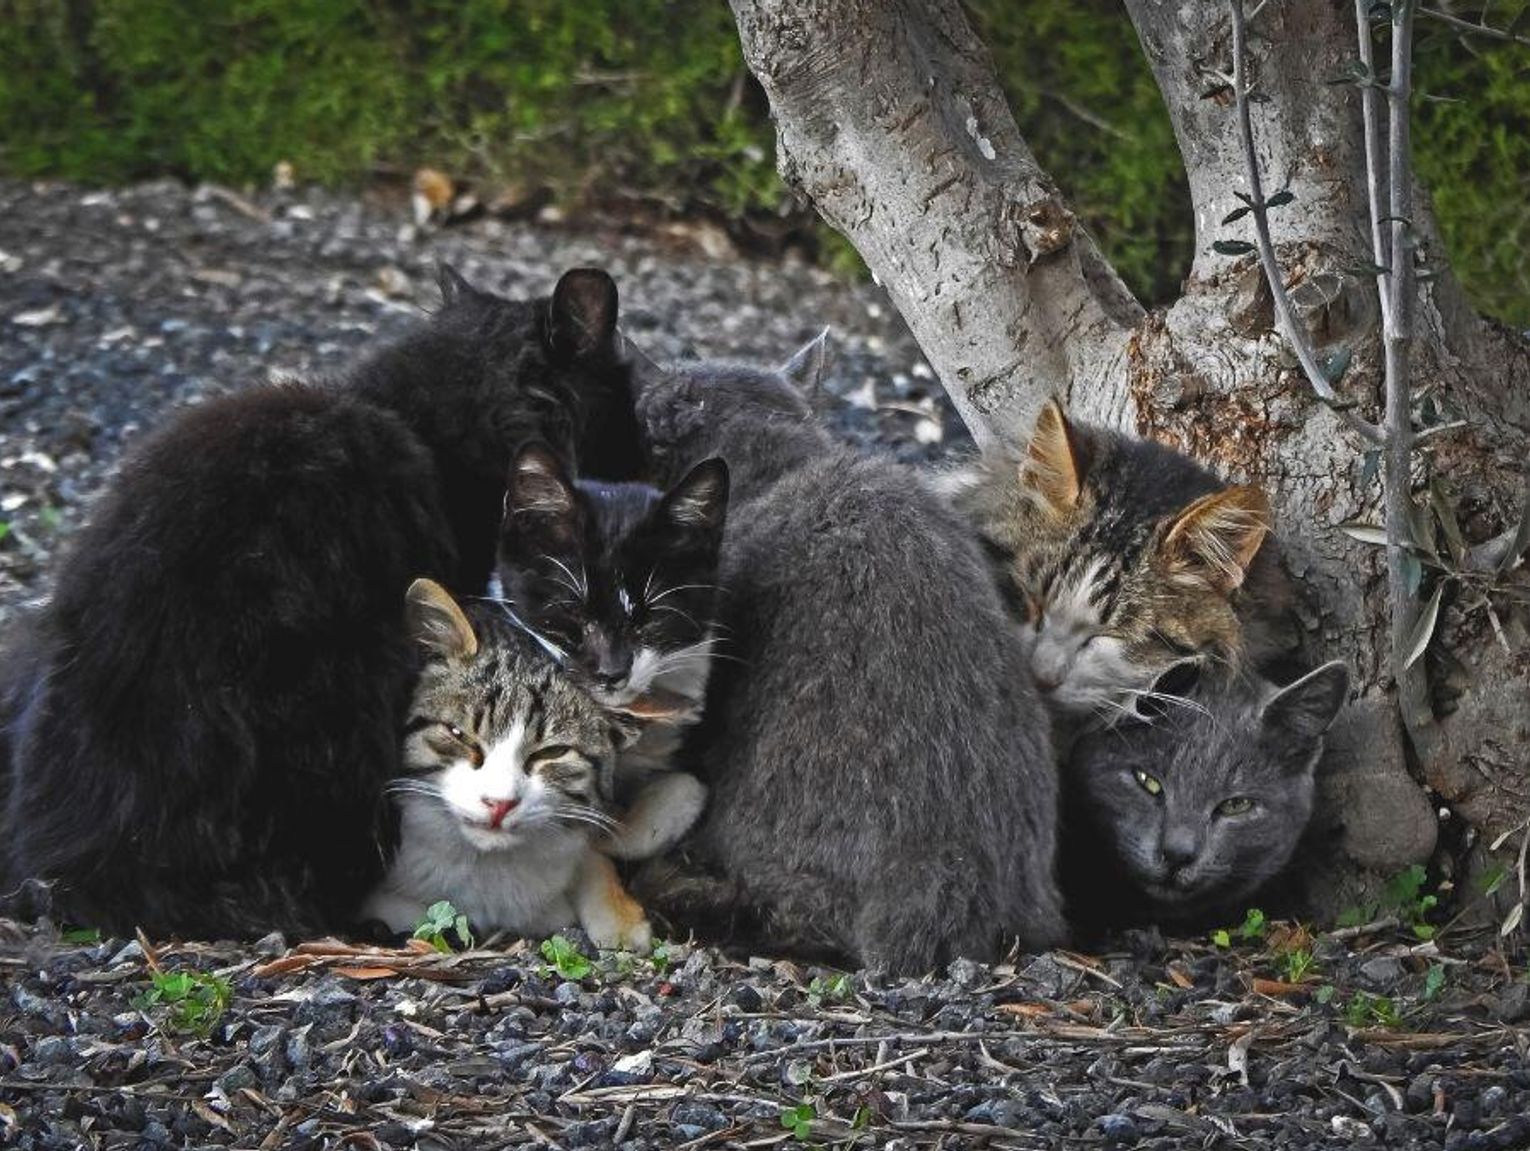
[192, 1000]
[1252, 928]
[1367, 1010]
[440, 919]
[650, 98]
[565, 958]
[1434, 981]
[1403, 897]
[659, 957]
[1298, 965]
[830, 990]
[80, 936]
[5, 529]
[799, 1120]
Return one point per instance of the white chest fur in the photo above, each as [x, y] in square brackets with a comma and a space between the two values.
[527, 887]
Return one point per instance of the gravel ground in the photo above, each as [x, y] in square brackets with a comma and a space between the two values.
[117, 305]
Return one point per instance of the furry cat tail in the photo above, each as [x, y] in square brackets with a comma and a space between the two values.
[682, 895]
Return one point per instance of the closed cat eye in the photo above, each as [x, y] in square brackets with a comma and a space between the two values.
[457, 739]
[1148, 783]
[1237, 805]
[549, 753]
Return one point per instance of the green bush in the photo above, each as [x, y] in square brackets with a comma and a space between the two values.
[602, 99]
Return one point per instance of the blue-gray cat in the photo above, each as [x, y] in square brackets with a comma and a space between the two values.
[883, 786]
[1182, 815]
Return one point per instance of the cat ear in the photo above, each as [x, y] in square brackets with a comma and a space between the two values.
[539, 486]
[1307, 708]
[582, 318]
[645, 370]
[700, 500]
[437, 623]
[1175, 682]
[804, 370]
[1055, 462]
[454, 287]
[1217, 536]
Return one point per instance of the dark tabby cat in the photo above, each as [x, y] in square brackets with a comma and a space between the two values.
[619, 582]
[212, 695]
[882, 782]
[1122, 556]
[508, 766]
[1188, 812]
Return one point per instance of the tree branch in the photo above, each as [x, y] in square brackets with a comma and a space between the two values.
[889, 117]
[1473, 29]
[1374, 179]
[1295, 334]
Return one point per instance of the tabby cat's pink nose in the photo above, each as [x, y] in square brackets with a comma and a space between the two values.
[498, 809]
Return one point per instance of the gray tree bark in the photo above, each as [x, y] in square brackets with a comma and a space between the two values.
[890, 119]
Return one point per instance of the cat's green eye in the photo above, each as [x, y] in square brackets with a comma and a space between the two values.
[1148, 783]
[1237, 805]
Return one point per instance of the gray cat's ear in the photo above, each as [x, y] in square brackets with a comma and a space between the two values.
[645, 369]
[454, 286]
[1306, 709]
[805, 368]
[581, 320]
[1055, 462]
[436, 623]
[1169, 690]
[700, 500]
[1218, 536]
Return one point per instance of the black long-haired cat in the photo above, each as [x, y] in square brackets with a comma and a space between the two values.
[882, 781]
[210, 702]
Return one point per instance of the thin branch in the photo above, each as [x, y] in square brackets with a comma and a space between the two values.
[1294, 333]
[1374, 184]
[1474, 29]
[1401, 284]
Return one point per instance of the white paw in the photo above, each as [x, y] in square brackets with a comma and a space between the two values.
[614, 935]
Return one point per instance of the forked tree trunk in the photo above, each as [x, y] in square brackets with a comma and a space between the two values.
[891, 120]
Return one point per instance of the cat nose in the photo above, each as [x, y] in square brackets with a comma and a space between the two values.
[1047, 682]
[612, 668]
[1179, 849]
[498, 809]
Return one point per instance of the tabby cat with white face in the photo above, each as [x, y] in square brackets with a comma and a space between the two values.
[508, 771]
[1120, 557]
[1189, 810]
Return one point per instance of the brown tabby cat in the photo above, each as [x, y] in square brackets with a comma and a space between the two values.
[1121, 556]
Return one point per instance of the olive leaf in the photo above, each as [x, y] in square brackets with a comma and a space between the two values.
[1423, 631]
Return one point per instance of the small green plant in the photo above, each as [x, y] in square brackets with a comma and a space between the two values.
[1434, 981]
[799, 1120]
[1403, 897]
[1367, 1010]
[1252, 928]
[831, 990]
[659, 957]
[566, 959]
[1298, 965]
[1488, 882]
[49, 517]
[194, 1000]
[1324, 994]
[80, 936]
[5, 529]
[441, 919]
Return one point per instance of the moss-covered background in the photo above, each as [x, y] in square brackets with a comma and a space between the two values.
[614, 99]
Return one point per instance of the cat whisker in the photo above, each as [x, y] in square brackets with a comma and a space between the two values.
[576, 583]
[669, 591]
[1164, 697]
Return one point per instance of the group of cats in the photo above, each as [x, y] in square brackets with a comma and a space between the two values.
[315, 661]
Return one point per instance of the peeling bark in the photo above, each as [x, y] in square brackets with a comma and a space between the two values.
[890, 119]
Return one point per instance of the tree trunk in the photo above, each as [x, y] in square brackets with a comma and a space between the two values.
[889, 117]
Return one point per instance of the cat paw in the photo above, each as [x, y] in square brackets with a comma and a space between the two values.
[618, 936]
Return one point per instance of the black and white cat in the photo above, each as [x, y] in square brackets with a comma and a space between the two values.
[206, 711]
[882, 781]
[619, 582]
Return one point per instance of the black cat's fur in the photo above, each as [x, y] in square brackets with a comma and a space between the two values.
[882, 778]
[205, 713]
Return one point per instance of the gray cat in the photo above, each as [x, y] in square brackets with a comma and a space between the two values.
[883, 786]
[1183, 814]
